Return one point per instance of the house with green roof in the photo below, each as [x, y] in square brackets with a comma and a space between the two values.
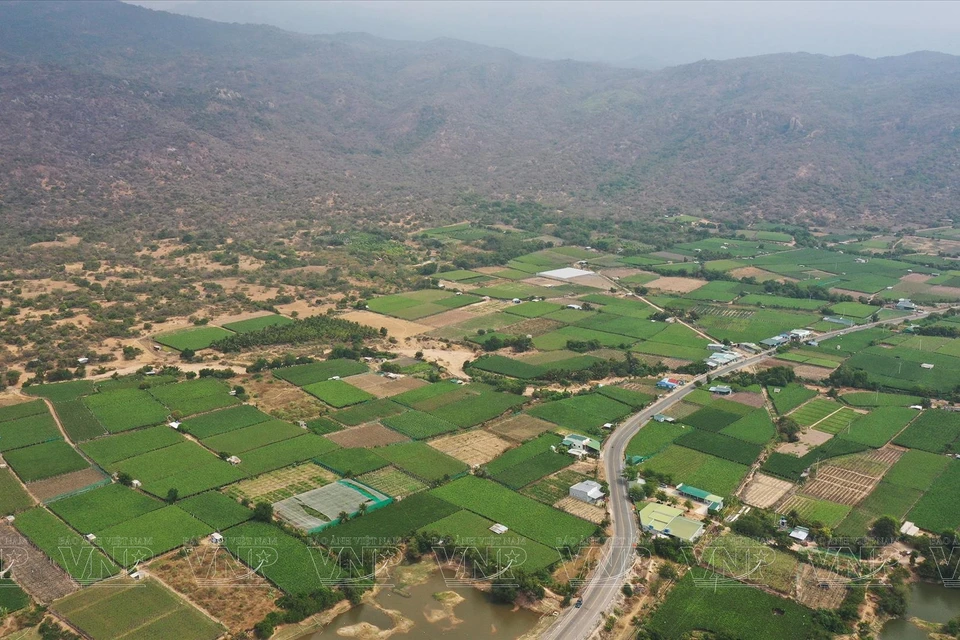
[714, 502]
[583, 443]
[669, 521]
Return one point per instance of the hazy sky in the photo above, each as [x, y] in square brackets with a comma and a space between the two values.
[654, 32]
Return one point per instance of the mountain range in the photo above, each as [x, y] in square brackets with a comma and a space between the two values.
[112, 114]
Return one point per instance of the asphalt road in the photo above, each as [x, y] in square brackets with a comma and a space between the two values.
[619, 553]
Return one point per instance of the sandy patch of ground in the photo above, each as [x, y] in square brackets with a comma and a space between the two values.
[216, 582]
[760, 274]
[303, 309]
[67, 241]
[811, 592]
[594, 281]
[621, 272]
[748, 398]
[953, 292]
[451, 359]
[367, 435]
[521, 427]
[384, 387]
[764, 491]
[52, 487]
[793, 448]
[676, 285]
[34, 288]
[397, 328]
[809, 372]
[581, 509]
[473, 447]
[916, 277]
[448, 318]
[280, 399]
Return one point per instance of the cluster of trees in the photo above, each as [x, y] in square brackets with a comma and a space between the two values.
[519, 344]
[772, 377]
[286, 360]
[313, 329]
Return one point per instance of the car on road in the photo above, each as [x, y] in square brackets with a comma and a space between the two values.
[579, 603]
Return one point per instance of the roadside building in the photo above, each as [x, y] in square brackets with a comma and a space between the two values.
[713, 502]
[722, 390]
[665, 520]
[587, 491]
[904, 304]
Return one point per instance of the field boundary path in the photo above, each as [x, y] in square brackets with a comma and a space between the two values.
[603, 585]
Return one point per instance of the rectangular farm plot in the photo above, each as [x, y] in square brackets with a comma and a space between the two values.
[77, 421]
[765, 491]
[422, 461]
[368, 412]
[216, 510]
[337, 393]
[22, 410]
[520, 427]
[477, 408]
[917, 469]
[534, 469]
[367, 435]
[637, 328]
[194, 339]
[554, 488]
[256, 324]
[755, 427]
[583, 412]
[418, 425]
[789, 397]
[721, 446]
[113, 449]
[352, 462]
[393, 482]
[216, 422]
[60, 391]
[524, 453]
[629, 397]
[934, 430]
[473, 448]
[384, 387]
[282, 483]
[712, 418]
[697, 469]
[815, 411]
[523, 515]
[13, 497]
[148, 608]
[304, 374]
[939, 508]
[67, 548]
[828, 513]
[739, 556]
[96, 510]
[879, 426]
[654, 437]
[558, 339]
[157, 532]
[838, 421]
[533, 309]
[126, 409]
[194, 396]
[47, 460]
[464, 525]
[284, 453]
[23, 432]
[318, 508]
[252, 437]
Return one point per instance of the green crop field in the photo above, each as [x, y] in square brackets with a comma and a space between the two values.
[112, 449]
[12, 598]
[255, 324]
[853, 309]
[721, 446]
[629, 397]
[142, 610]
[395, 521]
[583, 412]
[879, 426]
[46, 460]
[838, 421]
[217, 422]
[284, 453]
[418, 425]
[755, 427]
[525, 452]
[159, 531]
[23, 432]
[744, 559]
[322, 426]
[96, 510]
[814, 411]
[465, 525]
[781, 302]
[664, 350]
[475, 409]
[126, 409]
[61, 391]
[164, 462]
[521, 514]
[368, 412]
[939, 508]
[551, 489]
[697, 469]
[901, 368]
[13, 497]
[917, 470]
[533, 309]
[533, 469]
[710, 418]
[791, 467]
[22, 410]
[508, 367]
[934, 431]
[337, 393]
[194, 396]
[510, 290]
[216, 510]
[743, 613]
[77, 420]
[196, 339]
[654, 437]
[815, 510]
[790, 397]
[558, 339]
[68, 549]
[889, 500]
[624, 326]
[258, 435]
[210, 475]
[304, 374]
[422, 461]
[353, 462]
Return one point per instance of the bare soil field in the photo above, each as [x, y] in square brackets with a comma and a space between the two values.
[682, 409]
[534, 327]
[50, 488]
[384, 387]
[810, 592]
[764, 491]
[451, 359]
[840, 485]
[67, 241]
[543, 282]
[581, 509]
[760, 274]
[399, 329]
[748, 398]
[303, 309]
[212, 579]
[372, 434]
[805, 371]
[521, 427]
[448, 318]
[31, 569]
[594, 281]
[282, 400]
[623, 272]
[671, 363]
[283, 483]
[676, 285]
[472, 447]
[793, 448]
